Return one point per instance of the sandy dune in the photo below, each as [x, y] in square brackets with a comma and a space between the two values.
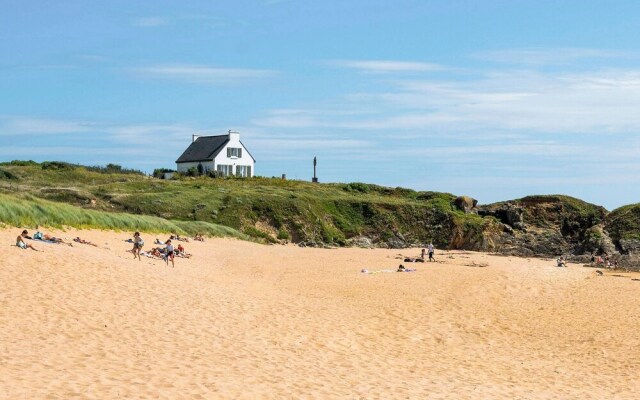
[242, 320]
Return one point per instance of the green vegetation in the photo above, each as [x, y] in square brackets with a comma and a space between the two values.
[271, 210]
[267, 209]
[27, 211]
[624, 222]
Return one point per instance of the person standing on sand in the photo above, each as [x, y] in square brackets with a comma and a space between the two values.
[423, 253]
[430, 248]
[137, 245]
[168, 253]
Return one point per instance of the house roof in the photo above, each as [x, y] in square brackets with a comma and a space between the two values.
[204, 148]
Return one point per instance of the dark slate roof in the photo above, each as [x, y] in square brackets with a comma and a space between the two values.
[205, 148]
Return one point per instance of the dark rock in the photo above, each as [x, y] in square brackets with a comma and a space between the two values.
[629, 246]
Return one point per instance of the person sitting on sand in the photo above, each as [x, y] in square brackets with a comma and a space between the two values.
[561, 262]
[82, 241]
[168, 254]
[198, 237]
[137, 245]
[180, 252]
[21, 243]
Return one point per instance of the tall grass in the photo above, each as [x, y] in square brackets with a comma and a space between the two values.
[33, 212]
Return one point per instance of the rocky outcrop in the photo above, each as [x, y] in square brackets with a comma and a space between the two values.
[465, 203]
[508, 213]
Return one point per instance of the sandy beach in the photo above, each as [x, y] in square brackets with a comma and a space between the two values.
[246, 321]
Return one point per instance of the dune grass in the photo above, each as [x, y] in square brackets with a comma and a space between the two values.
[32, 212]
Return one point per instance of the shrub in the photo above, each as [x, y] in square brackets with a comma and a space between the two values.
[357, 187]
[57, 165]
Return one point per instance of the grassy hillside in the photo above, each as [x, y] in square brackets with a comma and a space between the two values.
[270, 209]
[624, 223]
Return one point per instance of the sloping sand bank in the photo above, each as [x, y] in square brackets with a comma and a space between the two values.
[241, 320]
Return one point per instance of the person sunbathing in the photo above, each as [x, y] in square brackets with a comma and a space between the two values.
[21, 243]
[50, 238]
[198, 237]
[82, 241]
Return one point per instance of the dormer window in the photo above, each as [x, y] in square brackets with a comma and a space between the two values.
[234, 152]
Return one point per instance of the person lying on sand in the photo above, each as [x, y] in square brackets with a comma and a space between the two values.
[82, 241]
[401, 268]
[49, 238]
[21, 243]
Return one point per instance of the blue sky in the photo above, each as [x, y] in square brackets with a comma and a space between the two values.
[492, 99]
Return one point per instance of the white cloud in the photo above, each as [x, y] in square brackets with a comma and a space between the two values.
[522, 101]
[202, 74]
[385, 66]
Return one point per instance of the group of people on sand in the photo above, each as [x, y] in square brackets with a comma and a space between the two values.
[604, 261]
[44, 237]
[166, 253]
[430, 251]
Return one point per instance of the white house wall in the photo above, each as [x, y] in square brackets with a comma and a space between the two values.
[245, 160]
[184, 167]
[222, 159]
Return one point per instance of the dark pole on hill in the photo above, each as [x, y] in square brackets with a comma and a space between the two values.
[315, 162]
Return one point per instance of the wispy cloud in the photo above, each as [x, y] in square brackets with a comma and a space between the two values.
[385, 66]
[205, 20]
[202, 74]
[598, 102]
[150, 21]
[40, 126]
[547, 56]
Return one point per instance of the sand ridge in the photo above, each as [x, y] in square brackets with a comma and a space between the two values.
[243, 320]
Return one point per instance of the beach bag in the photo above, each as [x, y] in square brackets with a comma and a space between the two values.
[37, 235]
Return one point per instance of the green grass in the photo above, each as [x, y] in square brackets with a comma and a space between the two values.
[31, 212]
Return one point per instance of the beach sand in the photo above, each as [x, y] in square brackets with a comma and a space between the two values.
[246, 321]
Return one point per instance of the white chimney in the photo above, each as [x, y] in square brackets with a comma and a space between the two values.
[194, 137]
[234, 136]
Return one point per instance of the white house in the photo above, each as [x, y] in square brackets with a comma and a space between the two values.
[223, 153]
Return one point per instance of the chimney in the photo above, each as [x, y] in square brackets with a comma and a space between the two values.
[234, 136]
[194, 137]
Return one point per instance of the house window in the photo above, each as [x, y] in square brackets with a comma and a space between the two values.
[243, 170]
[225, 170]
[234, 152]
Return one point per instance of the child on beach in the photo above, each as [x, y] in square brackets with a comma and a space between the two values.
[169, 253]
[137, 245]
[21, 243]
